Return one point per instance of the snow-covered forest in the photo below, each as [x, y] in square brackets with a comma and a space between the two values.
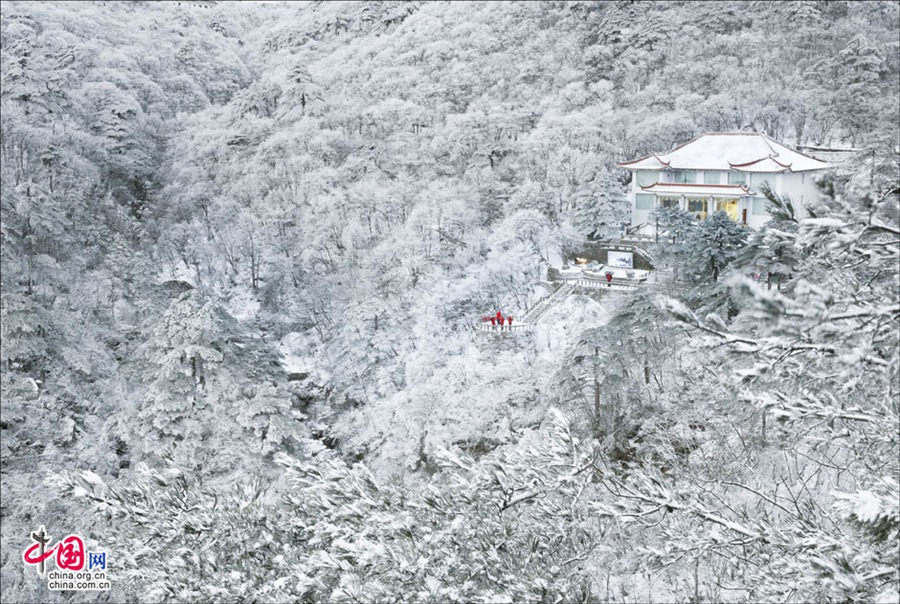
[244, 246]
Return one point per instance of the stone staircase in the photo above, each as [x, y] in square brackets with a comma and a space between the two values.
[537, 312]
[533, 314]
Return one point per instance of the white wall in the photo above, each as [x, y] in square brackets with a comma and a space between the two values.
[637, 216]
[755, 221]
[800, 187]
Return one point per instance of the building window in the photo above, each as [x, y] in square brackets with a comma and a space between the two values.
[643, 201]
[681, 177]
[737, 178]
[646, 177]
[684, 177]
[696, 205]
[669, 202]
[758, 207]
[729, 206]
[757, 180]
[711, 178]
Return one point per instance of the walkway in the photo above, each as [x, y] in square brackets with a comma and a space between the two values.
[532, 315]
[567, 285]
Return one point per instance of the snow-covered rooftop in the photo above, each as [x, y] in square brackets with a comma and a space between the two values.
[743, 151]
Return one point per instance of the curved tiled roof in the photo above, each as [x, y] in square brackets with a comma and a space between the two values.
[764, 164]
[744, 151]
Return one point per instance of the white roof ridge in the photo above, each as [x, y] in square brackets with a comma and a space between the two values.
[769, 144]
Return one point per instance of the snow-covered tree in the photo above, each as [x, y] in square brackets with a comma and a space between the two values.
[816, 367]
[510, 527]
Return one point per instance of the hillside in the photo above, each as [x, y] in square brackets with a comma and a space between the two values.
[244, 245]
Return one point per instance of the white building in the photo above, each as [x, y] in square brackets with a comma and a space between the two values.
[721, 171]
